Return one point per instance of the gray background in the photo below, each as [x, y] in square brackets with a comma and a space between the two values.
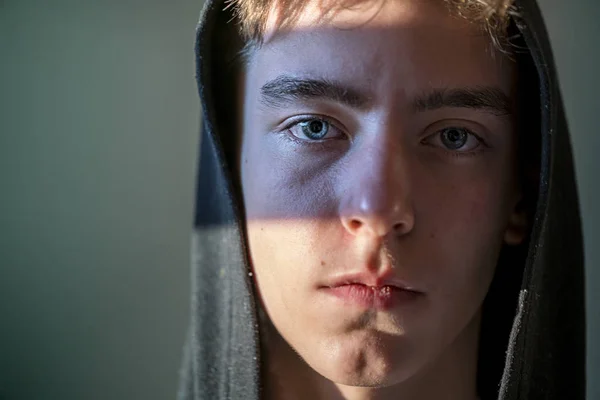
[574, 30]
[98, 137]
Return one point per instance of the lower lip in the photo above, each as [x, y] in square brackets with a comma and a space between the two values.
[381, 298]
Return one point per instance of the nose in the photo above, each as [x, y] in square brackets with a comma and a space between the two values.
[377, 200]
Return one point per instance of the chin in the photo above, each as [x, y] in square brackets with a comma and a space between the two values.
[375, 361]
[374, 376]
[373, 380]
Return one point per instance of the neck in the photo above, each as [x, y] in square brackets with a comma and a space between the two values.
[450, 376]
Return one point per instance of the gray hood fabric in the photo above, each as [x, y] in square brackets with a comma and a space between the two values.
[533, 328]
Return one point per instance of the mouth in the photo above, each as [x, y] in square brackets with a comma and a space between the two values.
[372, 292]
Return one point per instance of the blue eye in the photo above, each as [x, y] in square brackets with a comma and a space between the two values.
[454, 138]
[314, 129]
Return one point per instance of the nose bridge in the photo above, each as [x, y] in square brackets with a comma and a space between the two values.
[391, 158]
[379, 197]
[384, 182]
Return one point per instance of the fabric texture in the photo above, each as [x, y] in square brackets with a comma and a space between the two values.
[533, 328]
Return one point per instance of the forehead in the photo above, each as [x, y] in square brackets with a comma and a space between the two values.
[411, 44]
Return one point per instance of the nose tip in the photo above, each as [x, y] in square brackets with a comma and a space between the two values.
[396, 220]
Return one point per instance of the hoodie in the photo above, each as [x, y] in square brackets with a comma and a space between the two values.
[532, 340]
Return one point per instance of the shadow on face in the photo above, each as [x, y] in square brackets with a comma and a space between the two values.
[378, 167]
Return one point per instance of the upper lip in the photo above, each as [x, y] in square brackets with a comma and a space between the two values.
[373, 280]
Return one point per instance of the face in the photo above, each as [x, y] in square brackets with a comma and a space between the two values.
[379, 179]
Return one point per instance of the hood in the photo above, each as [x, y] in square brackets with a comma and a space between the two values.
[533, 328]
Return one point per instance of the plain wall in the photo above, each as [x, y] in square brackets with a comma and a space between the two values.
[98, 138]
[575, 36]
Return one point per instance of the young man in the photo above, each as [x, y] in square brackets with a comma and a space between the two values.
[369, 176]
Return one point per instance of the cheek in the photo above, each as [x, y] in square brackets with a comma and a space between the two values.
[287, 259]
[464, 219]
[471, 203]
[285, 215]
[282, 186]
[268, 240]
[479, 210]
[463, 237]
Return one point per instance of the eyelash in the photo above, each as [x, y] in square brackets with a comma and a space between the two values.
[286, 130]
[481, 146]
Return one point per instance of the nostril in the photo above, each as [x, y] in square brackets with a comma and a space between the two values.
[355, 224]
[404, 226]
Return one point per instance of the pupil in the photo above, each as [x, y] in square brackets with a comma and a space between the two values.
[316, 126]
[454, 138]
[315, 129]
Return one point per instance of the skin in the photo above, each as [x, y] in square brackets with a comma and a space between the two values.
[381, 193]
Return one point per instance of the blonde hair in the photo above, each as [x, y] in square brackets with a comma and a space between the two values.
[251, 15]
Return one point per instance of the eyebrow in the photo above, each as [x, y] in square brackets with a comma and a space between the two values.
[488, 98]
[286, 89]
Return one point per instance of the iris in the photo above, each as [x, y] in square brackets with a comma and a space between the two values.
[314, 129]
[454, 138]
